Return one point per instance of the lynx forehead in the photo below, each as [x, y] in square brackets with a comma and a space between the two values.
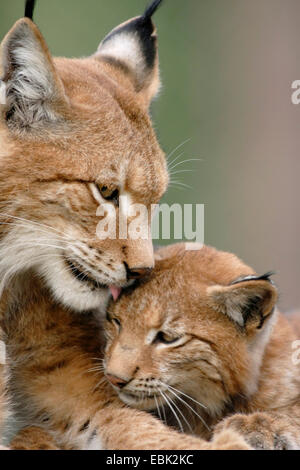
[76, 133]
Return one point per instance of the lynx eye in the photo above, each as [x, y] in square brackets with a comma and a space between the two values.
[165, 338]
[109, 194]
[116, 322]
[113, 320]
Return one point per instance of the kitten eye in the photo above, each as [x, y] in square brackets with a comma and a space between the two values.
[165, 338]
[114, 320]
[117, 323]
[109, 194]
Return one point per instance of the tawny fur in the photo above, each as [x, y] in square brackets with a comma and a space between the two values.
[233, 352]
[56, 382]
[68, 125]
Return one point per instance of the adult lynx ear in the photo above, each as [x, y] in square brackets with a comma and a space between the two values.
[31, 91]
[248, 300]
[132, 48]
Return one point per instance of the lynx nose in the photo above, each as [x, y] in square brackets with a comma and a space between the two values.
[137, 273]
[116, 381]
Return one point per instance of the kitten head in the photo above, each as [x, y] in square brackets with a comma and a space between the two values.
[75, 134]
[197, 328]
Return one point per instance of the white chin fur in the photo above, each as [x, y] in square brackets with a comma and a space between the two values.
[147, 404]
[71, 292]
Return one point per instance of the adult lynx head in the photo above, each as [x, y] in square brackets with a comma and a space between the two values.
[76, 133]
[197, 328]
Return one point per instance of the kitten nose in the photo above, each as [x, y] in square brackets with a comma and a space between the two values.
[137, 273]
[116, 381]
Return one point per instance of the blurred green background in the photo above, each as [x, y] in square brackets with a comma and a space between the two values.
[227, 68]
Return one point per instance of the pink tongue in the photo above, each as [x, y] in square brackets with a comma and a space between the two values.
[115, 292]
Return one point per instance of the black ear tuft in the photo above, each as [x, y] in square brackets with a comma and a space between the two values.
[29, 9]
[151, 9]
[248, 301]
[263, 277]
[132, 47]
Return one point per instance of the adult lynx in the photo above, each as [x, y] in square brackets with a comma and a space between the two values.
[75, 133]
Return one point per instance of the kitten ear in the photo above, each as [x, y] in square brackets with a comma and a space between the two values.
[31, 91]
[248, 300]
[132, 48]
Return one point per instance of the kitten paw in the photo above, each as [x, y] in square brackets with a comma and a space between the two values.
[229, 440]
[262, 431]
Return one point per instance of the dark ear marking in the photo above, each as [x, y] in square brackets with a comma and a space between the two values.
[29, 8]
[143, 29]
[132, 49]
[254, 309]
[263, 277]
[151, 9]
[248, 300]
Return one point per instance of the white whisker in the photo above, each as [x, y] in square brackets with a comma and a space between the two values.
[184, 394]
[185, 161]
[173, 411]
[177, 148]
[157, 407]
[189, 406]
[48, 227]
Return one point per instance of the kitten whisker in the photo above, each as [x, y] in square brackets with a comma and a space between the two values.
[173, 411]
[192, 409]
[178, 409]
[184, 394]
[158, 408]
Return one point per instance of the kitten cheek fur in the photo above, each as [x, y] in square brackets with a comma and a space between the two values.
[237, 355]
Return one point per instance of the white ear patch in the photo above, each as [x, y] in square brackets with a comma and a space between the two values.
[132, 47]
[2, 93]
[126, 48]
[229, 303]
[32, 89]
[32, 74]
[2, 353]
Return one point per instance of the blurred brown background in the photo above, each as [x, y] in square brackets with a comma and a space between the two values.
[227, 68]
